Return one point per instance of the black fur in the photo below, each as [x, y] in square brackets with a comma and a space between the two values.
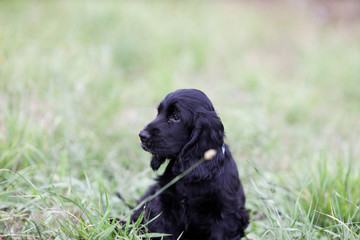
[208, 203]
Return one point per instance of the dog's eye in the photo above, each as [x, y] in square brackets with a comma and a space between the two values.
[175, 117]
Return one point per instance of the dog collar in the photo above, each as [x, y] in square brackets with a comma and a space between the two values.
[223, 149]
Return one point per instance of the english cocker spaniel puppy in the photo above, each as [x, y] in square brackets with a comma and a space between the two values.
[207, 203]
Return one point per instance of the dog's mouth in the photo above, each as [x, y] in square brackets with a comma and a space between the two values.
[154, 146]
[158, 152]
[149, 148]
[145, 147]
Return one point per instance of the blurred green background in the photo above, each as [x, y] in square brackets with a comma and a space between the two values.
[80, 79]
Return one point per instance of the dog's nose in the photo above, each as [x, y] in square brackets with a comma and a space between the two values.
[144, 136]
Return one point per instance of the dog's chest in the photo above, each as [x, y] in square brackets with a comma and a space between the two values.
[196, 199]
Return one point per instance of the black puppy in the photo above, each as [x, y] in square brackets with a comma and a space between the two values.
[208, 203]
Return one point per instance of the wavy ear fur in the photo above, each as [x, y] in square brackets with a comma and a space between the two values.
[208, 133]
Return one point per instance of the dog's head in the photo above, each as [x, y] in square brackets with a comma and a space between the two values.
[185, 127]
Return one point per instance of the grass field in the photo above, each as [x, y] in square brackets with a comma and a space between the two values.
[79, 80]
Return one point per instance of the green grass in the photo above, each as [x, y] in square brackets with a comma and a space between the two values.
[79, 80]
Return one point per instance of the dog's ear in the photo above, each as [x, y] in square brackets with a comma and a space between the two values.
[207, 133]
[156, 162]
[212, 134]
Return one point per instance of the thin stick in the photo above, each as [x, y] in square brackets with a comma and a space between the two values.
[169, 184]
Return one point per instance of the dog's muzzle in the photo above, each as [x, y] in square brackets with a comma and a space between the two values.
[145, 139]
